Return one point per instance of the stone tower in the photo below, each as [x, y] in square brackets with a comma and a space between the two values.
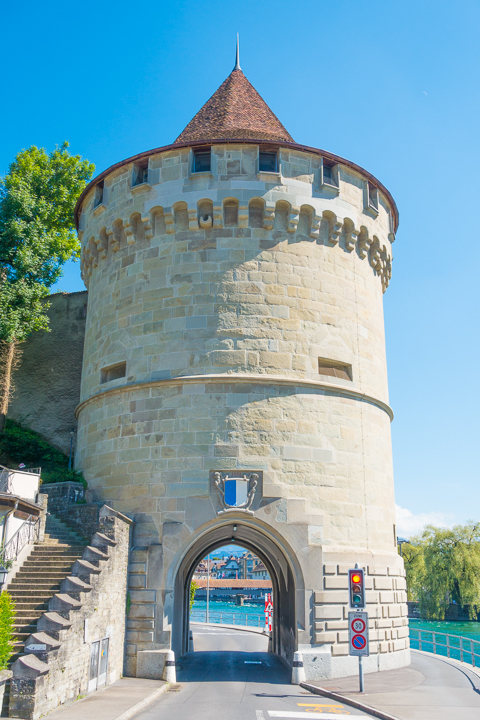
[234, 381]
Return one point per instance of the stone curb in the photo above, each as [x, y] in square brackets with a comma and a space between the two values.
[128, 714]
[348, 701]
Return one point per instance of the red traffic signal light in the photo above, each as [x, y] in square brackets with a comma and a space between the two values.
[356, 589]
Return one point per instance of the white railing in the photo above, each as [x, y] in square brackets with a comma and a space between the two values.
[227, 618]
[26, 534]
[451, 646]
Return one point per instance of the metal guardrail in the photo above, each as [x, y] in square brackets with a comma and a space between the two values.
[227, 618]
[451, 646]
[26, 534]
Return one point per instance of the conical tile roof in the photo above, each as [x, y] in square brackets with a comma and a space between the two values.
[235, 112]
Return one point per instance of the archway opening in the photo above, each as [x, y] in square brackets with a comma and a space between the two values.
[231, 605]
[283, 635]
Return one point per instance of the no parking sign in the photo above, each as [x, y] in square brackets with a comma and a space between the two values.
[358, 634]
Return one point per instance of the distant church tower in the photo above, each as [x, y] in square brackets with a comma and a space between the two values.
[234, 381]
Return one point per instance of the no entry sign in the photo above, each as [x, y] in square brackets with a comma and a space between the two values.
[358, 634]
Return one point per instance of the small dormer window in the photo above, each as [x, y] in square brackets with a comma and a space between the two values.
[140, 175]
[98, 198]
[372, 197]
[267, 162]
[202, 160]
[329, 173]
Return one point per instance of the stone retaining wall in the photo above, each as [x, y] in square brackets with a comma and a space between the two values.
[89, 607]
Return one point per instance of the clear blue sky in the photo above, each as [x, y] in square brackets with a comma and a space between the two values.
[390, 85]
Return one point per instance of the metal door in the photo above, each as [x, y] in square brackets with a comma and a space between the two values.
[93, 671]
[102, 672]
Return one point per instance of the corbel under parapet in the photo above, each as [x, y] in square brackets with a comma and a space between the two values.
[315, 226]
[169, 221]
[112, 240]
[218, 216]
[243, 216]
[375, 259]
[364, 242]
[293, 219]
[269, 216]
[193, 218]
[351, 237]
[129, 232]
[335, 225]
[101, 248]
[147, 226]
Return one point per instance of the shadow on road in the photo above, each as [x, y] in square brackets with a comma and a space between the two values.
[232, 666]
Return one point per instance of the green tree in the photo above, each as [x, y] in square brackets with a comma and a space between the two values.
[193, 589]
[443, 567]
[7, 614]
[412, 553]
[37, 236]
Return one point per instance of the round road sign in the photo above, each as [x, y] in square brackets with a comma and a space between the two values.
[358, 625]
[358, 642]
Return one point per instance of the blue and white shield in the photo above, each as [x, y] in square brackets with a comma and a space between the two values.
[236, 492]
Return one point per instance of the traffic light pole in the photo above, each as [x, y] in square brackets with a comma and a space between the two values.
[360, 672]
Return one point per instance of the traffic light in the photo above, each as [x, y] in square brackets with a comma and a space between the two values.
[356, 588]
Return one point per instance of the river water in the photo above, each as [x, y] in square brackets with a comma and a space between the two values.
[228, 613]
[252, 614]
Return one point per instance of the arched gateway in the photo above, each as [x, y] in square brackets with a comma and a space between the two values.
[287, 579]
[235, 375]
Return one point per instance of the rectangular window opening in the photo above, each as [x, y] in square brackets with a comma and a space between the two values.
[98, 199]
[332, 368]
[372, 196]
[140, 175]
[113, 372]
[267, 162]
[202, 160]
[329, 173]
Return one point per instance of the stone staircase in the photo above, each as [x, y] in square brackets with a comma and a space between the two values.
[39, 579]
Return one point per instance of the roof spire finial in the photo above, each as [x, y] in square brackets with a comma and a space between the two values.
[237, 61]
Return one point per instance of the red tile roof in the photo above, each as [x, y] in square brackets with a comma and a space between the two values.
[234, 112]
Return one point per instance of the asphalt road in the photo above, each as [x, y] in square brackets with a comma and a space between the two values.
[232, 677]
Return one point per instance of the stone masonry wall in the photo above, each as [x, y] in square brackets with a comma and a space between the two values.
[235, 322]
[89, 607]
[47, 380]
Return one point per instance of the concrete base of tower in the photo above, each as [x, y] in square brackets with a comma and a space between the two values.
[320, 664]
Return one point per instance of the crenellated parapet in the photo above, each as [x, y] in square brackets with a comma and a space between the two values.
[207, 215]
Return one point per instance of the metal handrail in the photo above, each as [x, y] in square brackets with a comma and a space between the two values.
[454, 645]
[26, 534]
[216, 617]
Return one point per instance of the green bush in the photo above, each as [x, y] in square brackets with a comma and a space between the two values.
[19, 444]
[7, 614]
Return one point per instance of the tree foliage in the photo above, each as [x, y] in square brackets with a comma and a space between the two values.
[7, 614]
[37, 236]
[443, 567]
[193, 589]
[37, 233]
